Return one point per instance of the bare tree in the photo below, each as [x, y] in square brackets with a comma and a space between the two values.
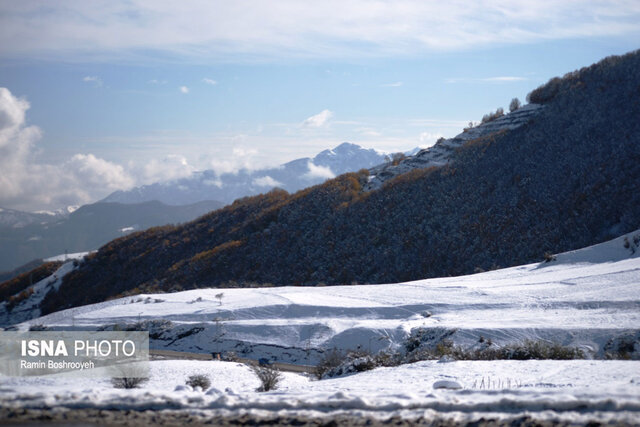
[269, 377]
[514, 105]
[219, 297]
[128, 382]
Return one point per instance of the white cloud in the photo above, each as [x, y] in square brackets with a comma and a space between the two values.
[93, 79]
[266, 181]
[213, 182]
[505, 79]
[28, 184]
[329, 29]
[240, 159]
[499, 79]
[210, 81]
[370, 133]
[318, 120]
[157, 82]
[427, 139]
[316, 171]
[184, 89]
[172, 166]
[95, 172]
[394, 84]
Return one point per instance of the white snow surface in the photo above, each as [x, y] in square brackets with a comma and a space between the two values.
[67, 257]
[572, 390]
[583, 298]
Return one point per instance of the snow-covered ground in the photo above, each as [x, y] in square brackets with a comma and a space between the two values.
[570, 390]
[67, 257]
[588, 298]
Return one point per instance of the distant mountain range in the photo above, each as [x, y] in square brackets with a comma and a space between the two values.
[18, 219]
[26, 236]
[227, 187]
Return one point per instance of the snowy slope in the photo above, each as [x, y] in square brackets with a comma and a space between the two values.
[30, 307]
[583, 298]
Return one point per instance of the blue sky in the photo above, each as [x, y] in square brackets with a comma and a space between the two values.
[105, 95]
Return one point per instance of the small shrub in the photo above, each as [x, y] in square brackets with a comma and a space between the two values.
[396, 158]
[548, 257]
[623, 347]
[269, 377]
[332, 359]
[540, 350]
[526, 350]
[444, 348]
[128, 382]
[360, 361]
[514, 105]
[199, 380]
[492, 116]
[632, 245]
[230, 356]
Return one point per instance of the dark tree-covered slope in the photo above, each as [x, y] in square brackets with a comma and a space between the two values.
[567, 179]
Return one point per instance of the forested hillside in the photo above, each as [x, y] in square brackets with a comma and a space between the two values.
[567, 179]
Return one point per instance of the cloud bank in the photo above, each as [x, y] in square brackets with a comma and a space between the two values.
[266, 181]
[316, 171]
[219, 29]
[26, 183]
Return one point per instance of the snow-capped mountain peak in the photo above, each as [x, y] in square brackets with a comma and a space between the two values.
[291, 176]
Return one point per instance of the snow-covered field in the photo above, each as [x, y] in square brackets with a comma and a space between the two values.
[588, 298]
[570, 390]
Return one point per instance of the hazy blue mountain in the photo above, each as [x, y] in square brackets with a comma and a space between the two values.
[292, 176]
[17, 219]
[25, 236]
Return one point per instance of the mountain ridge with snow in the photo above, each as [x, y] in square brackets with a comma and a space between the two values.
[226, 187]
[442, 152]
